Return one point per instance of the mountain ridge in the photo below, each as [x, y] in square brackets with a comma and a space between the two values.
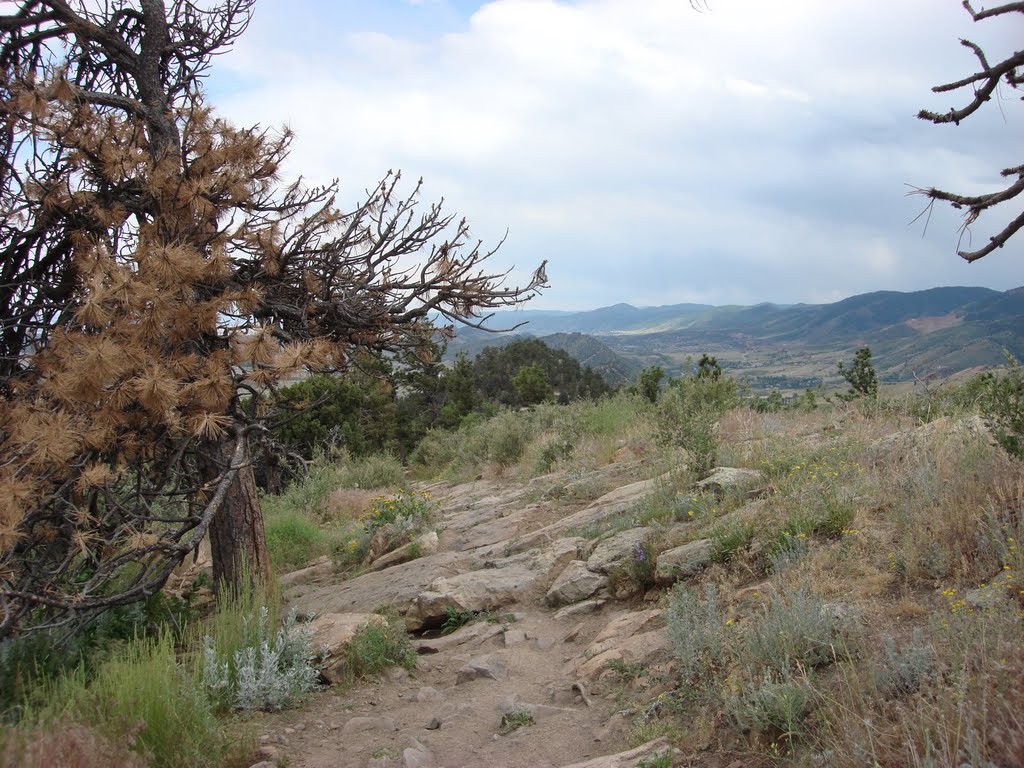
[935, 332]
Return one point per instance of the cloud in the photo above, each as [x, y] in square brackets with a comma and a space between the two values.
[758, 151]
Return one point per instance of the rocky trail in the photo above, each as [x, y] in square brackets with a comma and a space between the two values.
[532, 680]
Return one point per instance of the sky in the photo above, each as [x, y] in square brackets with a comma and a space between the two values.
[654, 154]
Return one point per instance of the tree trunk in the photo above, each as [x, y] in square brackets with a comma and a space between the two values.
[237, 542]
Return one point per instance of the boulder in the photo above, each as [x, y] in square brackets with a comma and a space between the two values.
[490, 666]
[617, 549]
[725, 479]
[397, 586]
[575, 583]
[644, 648]
[682, 562]
[578, 609]
[913, 442]
[632, 758]
[622, 627]
[321, 567]
[606, 506]
[474, 634]
[333, 632]
[421, 546]
[475, 591]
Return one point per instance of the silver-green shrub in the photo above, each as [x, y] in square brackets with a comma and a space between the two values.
[697, 632]
[796, 628]
[271, 673]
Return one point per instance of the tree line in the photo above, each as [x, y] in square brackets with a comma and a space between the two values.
[389, 403]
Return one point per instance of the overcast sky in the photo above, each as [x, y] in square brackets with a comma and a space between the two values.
[758, 151]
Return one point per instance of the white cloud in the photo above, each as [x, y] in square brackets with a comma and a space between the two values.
[759, 150]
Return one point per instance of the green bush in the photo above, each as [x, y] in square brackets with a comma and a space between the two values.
[141, 695]
[688, 414]
[376, 647]
[1002, 404]
[860, 375]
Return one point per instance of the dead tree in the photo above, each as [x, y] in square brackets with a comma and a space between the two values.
[156, 279]
[984, 84]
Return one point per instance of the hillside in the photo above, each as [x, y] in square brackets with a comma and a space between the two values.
[816, 595]
[923, 334]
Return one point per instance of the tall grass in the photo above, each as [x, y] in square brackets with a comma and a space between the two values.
[527, 443]
[300, 524]
[141, 696]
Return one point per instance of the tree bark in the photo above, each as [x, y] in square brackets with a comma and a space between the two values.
[237, 542]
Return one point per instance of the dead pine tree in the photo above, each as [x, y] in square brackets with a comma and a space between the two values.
[157, 279]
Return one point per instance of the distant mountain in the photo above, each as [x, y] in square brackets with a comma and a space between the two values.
[934, 332]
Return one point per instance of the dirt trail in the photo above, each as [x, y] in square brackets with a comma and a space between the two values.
[535, 665]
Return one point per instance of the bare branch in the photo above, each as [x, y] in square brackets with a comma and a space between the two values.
[984, 83]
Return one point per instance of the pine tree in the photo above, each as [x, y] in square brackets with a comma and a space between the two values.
[156, 278]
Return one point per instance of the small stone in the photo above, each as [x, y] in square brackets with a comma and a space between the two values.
[268, 752]
[587, 606]
[683, 562]
[368, 724]
[543, 643]
[433, 725]
[489, 666]
[300, 726]
[426, 693]
[513, 636]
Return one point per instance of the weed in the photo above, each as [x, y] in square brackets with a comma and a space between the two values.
[455, 619]
[729, 541]
[66, 744]
[376, 647]
[140, 695]
[514, 720]
[408, 509]
[903, 671]
[697, 633]
[293, 540]
[795, 629]
[626, 670]
[778, 706]
[657, 760]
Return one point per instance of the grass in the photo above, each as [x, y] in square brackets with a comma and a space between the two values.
[583, 434]
[377, 647]
[142, 697]
[514, 720]
[888, 631]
